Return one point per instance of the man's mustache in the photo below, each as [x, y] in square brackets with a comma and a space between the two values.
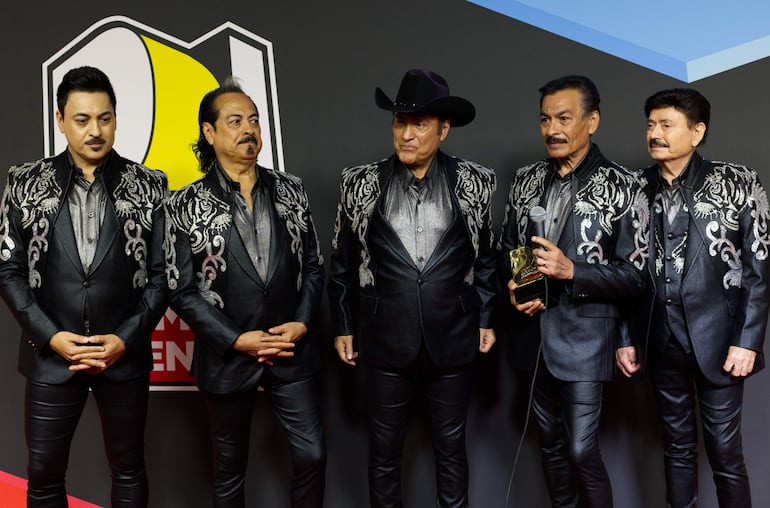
[554, 139]
[658, 142]
[96, 141]
[248, 139]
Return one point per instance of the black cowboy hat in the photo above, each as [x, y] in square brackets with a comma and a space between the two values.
[424, 91]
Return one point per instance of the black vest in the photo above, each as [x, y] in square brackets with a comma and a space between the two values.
[672, 240]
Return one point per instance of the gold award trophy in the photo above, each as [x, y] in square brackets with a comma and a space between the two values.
[530, 282]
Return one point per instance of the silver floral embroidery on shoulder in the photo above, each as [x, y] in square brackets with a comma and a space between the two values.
[608, 196]
[728, 190]
[292, 206]
[200, 214]
[360, 189]
[36, 194]
[525, 193]
[139, 192]
[474, 188]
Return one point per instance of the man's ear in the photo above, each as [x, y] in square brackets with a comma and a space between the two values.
[208, 132]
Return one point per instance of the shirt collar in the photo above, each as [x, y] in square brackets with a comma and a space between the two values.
[679, 180]
[406, 179]
[77, 171]
[228, 184]
[580, 168]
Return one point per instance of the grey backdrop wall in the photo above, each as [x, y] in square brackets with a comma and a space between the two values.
[329, 58]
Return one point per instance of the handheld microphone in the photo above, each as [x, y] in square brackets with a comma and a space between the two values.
[537, 216]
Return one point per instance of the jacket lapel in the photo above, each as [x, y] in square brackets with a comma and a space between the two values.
[64, 234]
[277, 227]
[61, 220]
[696, 240]
[241, 255]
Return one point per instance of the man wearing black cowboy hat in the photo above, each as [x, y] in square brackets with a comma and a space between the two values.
[413, 255]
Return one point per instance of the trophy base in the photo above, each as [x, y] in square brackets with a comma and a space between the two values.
[531, 291]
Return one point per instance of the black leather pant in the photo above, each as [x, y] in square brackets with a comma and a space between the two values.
[446, 393]
[297, 405]
[678, 382]
[52, 413]
[567, 415]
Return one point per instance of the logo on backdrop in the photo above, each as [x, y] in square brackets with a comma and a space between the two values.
[159, 81]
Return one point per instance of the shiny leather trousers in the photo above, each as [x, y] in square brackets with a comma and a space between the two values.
[678, 383]
[567, 415]
[297, 406]
[446, 392]
[52, 413]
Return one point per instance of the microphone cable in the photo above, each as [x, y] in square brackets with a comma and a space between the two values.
[529, 405]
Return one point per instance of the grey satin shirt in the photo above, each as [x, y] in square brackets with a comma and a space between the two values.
[557, 205]
[87, 202]
[419, 210]
[253, 224]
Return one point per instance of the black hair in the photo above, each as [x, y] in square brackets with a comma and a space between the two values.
[685, 100]
[83, 79]
[207, 113]
[582, 84]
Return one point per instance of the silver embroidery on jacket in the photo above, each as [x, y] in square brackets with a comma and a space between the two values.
[725, 249]
[761, 214]
[524, 194]
[211, 265]
[360, 189]
[292, 206]
[169, 240]
[38, 243]
[36, 194]
[474, 188]
[641, 223]
[728, 191]
[135, 199]
[608, 196]
[7, 244]
[198, 213]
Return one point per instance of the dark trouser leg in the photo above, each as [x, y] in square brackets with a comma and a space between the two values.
[582, 406]
[230, 422]
[123, 411]
[720, 408]
[51, 415]
[447, 392]
[672, 375]
[297, 406]
[388, 393]
[567, 414]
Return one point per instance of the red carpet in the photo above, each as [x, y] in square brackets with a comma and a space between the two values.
[13, 493]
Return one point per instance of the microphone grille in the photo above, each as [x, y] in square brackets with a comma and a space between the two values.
[537, 214]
